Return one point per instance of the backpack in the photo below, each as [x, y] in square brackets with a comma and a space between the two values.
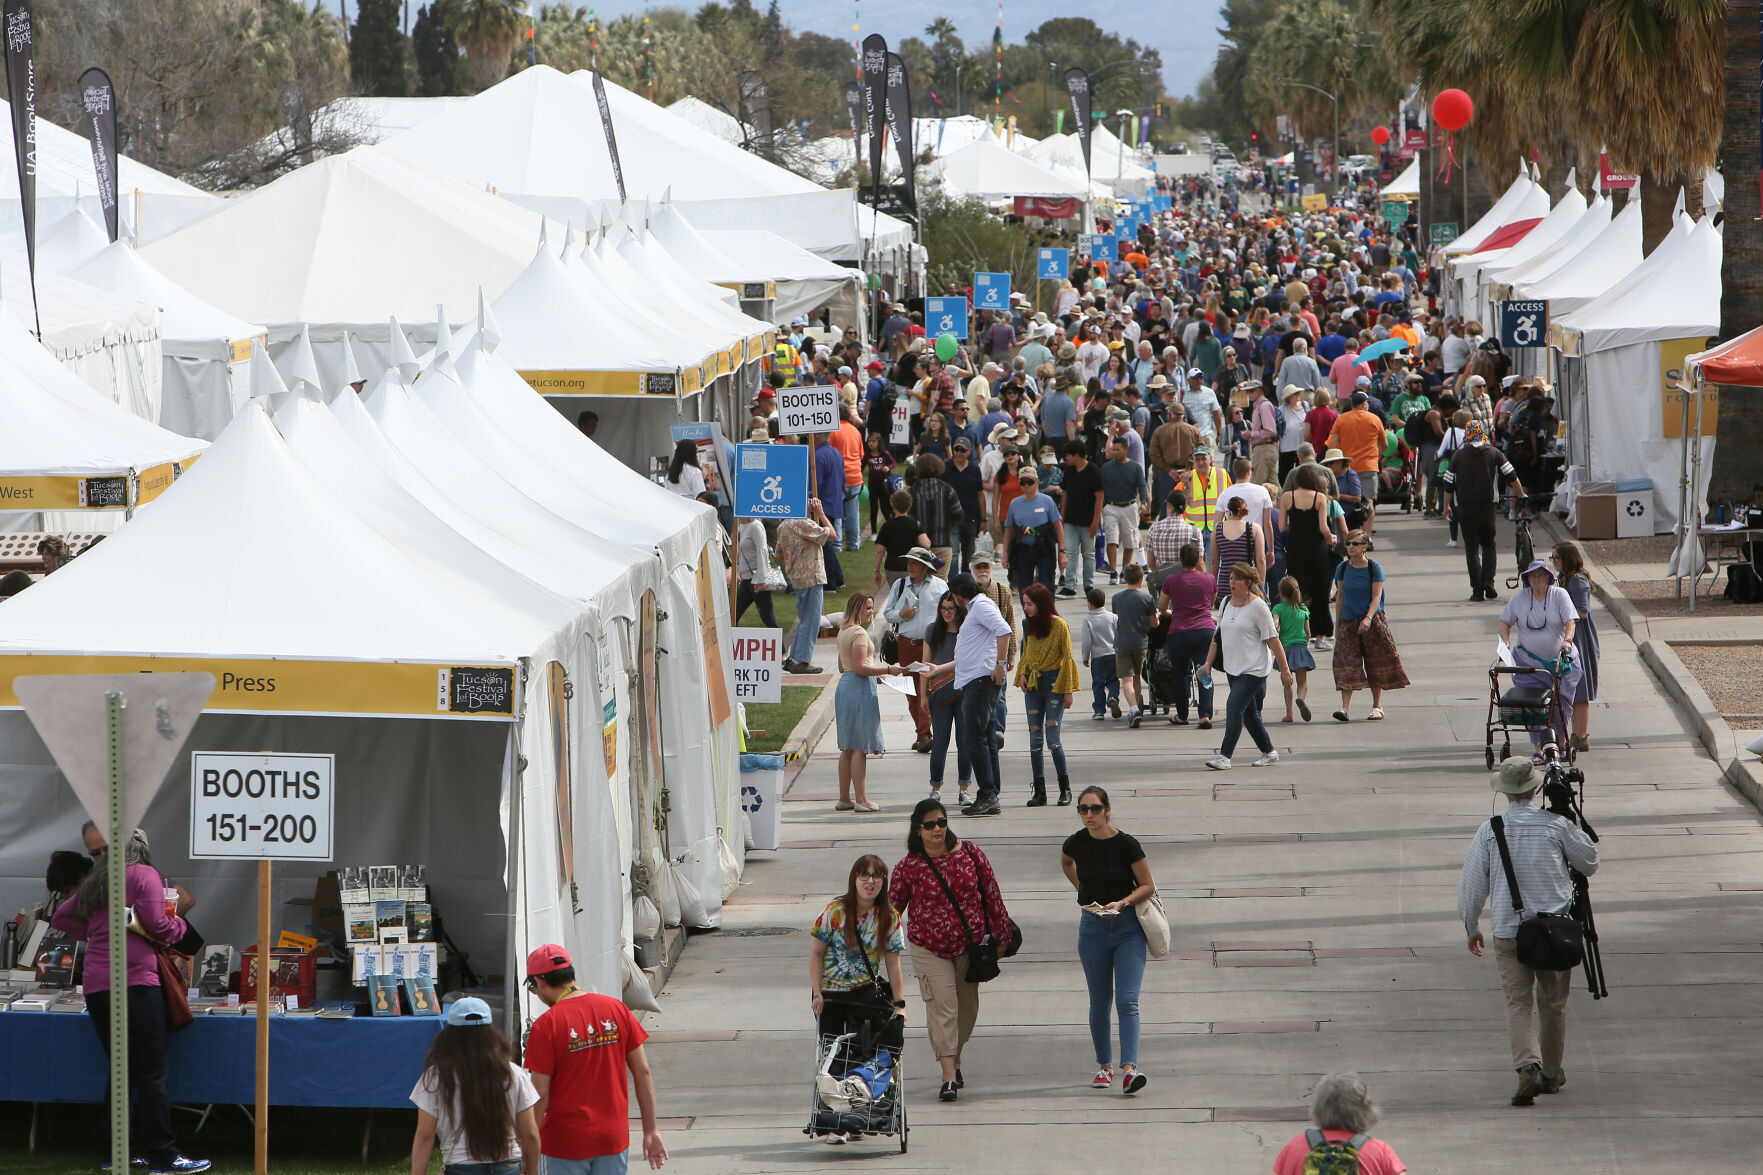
[1332, 1158]
[1279, 422]
[1416, 431]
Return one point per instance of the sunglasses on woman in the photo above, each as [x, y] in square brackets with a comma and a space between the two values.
[1090, 809]
[872, 877]
[932, 825]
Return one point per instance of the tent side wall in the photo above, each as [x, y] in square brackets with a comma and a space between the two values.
[1625, 427]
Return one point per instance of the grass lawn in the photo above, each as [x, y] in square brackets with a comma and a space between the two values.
[859, 569]
[778, 720]
[74, 1140]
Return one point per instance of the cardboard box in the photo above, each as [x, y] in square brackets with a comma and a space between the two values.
[1596, 516]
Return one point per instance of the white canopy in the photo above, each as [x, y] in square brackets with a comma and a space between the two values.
[1407, 184]
[204, 347]
[1591, 222]
[1471, 270]
[987, 170]
[1524, 200]
[804, 281]
[1615, 251]
[110, 342]
[709, 119]
[1673, 294]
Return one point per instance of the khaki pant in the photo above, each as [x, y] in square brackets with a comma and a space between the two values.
[951, 1005]
[1264, 463]
[1551, 1006]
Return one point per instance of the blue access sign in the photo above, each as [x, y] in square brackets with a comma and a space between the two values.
[945, 316]
[771, 481]
[1097, 246]
[1052, 264]
[1524, 323]
[991, 291]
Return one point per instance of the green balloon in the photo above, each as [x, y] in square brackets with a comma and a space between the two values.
[946, 346]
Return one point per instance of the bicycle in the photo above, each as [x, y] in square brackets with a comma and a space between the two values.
[1523, 547]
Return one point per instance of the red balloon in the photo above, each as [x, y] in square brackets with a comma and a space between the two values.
[1453, 109]
[1380, 135]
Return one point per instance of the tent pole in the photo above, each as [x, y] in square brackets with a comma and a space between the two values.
[511, 986]
[1683, 496]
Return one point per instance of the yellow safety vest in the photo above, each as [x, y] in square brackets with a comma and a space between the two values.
[786, 360]
[1203, 497]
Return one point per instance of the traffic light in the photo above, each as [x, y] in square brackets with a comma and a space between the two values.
[1253, 137]
[1159, 110]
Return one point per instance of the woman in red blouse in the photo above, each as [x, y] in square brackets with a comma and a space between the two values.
[938, 866]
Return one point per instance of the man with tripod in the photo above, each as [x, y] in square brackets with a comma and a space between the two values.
[1537, 851]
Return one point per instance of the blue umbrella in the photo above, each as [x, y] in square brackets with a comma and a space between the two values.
[1380, 349]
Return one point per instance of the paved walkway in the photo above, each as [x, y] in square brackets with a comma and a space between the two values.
[1313, 907]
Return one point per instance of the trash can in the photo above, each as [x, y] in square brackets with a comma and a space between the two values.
[762, 794]
[1634, 507]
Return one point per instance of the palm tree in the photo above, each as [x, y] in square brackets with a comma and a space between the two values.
[1741, 258]
[488, 30]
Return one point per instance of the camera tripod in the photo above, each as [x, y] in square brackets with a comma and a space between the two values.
[1564, 795]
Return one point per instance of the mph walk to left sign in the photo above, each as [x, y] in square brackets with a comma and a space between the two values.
[758, 664]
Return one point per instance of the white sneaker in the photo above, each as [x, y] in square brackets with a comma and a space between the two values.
[963, 798]
[1218, 763]
[936, 794]
[1451, 543]
[1267, 760]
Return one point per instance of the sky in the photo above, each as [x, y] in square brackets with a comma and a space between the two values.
[1185, 32]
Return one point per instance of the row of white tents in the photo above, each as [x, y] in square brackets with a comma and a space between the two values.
[516, 647]
[1619, 322]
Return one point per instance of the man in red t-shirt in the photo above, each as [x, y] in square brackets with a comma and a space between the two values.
[578, 1052]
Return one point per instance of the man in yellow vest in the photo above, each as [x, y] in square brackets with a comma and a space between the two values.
[786, 360]
[1202, 486]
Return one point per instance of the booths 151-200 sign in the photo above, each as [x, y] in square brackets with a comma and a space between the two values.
[258, 807]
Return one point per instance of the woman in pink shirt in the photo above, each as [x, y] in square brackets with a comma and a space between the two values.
[1344, 1114]
[1319, 423]
[87, 916]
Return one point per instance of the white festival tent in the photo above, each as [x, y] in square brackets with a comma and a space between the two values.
[1600, 264]
[1468, 271]
[1064, 154]
[110, 341]
[507, 138]
[709, 119]
[430, 687]
[1503, 275]
[1614, 353]
[804, 282]
[64, 243]
[987, 170]
[1525, 199]
[1407, 185]
[339, 245]
[206, 350]
[442, 431]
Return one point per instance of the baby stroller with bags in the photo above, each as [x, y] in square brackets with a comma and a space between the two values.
[1161, 681]
[859, 1087]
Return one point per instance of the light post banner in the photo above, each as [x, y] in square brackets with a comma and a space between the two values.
[21, 91]
[899, 109]
[875, 80]
[98, 112]
[1077, 86]
[611, 139]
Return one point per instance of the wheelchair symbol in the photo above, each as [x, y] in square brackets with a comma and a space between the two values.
[771, 490]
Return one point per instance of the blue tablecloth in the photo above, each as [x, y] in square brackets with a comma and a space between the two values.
[56, 1057]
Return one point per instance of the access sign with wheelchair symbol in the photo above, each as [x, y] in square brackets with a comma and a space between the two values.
[771, 481]
[1524, 323]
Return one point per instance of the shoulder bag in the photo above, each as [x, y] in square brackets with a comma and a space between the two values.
[1154, 921]
[1546, 942]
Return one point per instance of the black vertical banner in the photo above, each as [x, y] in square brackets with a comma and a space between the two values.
[1077, 85]
[611, 139]
[875, 80]
[899, 108]
[21, 91]
[98, 112]
[854, 103]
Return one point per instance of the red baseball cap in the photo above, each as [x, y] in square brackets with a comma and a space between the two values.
[546, 959]
[877, 365]
[765, 394]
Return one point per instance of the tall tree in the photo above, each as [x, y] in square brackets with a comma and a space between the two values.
[440, 67]
[1741, 264]
[488, 30]
[378, 54]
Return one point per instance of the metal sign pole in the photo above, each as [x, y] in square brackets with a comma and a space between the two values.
[115, 875]
[261, 1125]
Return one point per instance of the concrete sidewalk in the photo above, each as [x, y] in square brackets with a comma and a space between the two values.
[1313, 907]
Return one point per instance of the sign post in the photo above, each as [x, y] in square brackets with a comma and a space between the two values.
[115, 757]
[758, 660]
[1443, 232]
[1524, 323]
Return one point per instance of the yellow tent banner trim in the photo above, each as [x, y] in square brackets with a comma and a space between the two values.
[155, 481]
[615, 383]
[41, 493]
[394, 689]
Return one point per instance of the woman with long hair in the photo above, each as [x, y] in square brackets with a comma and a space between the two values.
[1247, 634]
[1365, 655]
[935, 437]
[1009, 488]
[855, 705]
[1237, 541]
[475, 1099]
[86, 916]
[1578, 583]
[1303, 516]
[857, 943]
[949, 896]
[683, 475]
[1047, 677]
[939, 650]
[1112, 877]
[1115, 374]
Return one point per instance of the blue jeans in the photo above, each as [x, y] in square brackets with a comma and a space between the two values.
[1113, 954]
[980, 698]
[853, 523]
[1077, 539]
[1046, 715]
[598, 1165]
[1243, 708]
[829, 558]
[1187, 652]
[962, 538]
[502, 1167]
[1104, 681]
[943, 706]
[807, 623]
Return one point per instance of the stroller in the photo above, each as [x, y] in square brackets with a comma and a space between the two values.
[1161, 681]
[859, 1086]
[1396, 483]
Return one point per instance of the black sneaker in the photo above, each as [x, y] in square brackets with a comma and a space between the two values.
[948, 1092]
[1114, 706]
[1066, 593]
[961, 1082]
[984, 806]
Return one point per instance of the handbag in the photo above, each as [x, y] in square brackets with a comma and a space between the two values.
[1546, 942]
[1154, 921]
[175, 988]
[982, 955]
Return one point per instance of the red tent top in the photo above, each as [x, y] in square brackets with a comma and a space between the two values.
[1508, 235]
[1738, 362]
